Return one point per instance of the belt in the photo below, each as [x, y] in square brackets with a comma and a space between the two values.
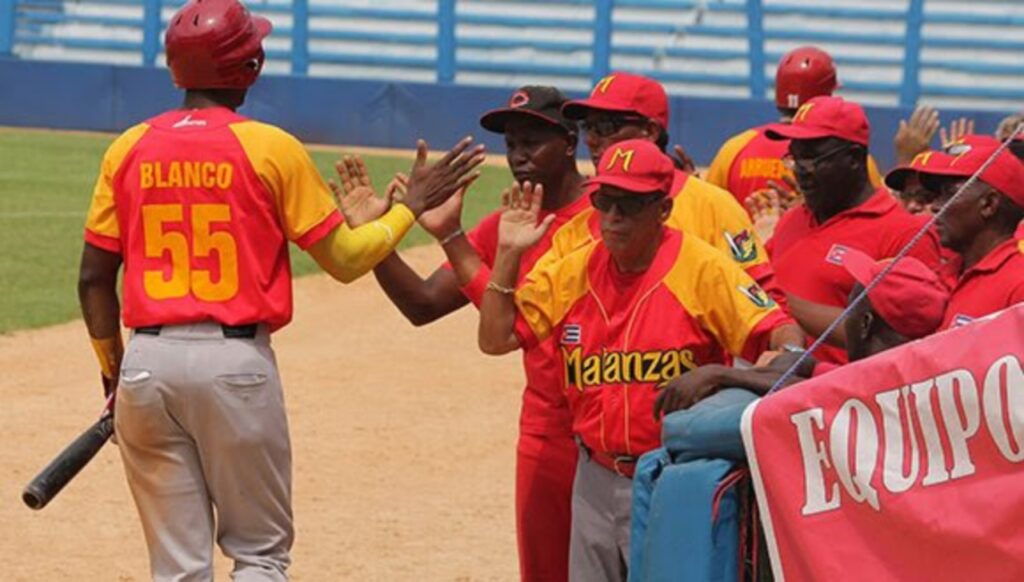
[247, 331]
[620, 464]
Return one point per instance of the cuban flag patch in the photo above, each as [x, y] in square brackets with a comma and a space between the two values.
[960, 320]
[572, 334]
[835, 254]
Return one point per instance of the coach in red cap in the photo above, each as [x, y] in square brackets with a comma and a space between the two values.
[980, 225]
[841, 211]
[750, 162]
[639, 293]
[624, 106]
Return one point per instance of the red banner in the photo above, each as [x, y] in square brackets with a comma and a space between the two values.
[905, 466]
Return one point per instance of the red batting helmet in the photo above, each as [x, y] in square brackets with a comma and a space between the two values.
[215, 44]
[803, 73]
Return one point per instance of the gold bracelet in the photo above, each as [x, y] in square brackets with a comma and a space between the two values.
[503, 290]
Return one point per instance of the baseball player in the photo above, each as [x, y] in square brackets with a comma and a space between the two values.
[980, 226]
[842, 210]
[624, 106]
[629, 311]
[540, 148]
[750, 162]
[198, 204]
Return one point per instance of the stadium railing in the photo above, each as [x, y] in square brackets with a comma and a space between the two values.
[730, 45]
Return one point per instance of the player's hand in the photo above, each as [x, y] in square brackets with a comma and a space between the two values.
[915, 134]
[684, 391]
[356, 198]
[788, 192]
[957, 129]
[765, 210]
[446, 219]
[430, 186]
[518, 228]
[683, 160]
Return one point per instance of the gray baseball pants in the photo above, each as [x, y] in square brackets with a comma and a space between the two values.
[202, 431]
[601, 508]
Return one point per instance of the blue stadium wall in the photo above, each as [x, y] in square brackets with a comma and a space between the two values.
[367, 113]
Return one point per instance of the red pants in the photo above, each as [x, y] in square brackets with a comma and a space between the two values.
[545, 468]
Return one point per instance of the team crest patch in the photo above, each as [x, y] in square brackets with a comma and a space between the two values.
[835, 254]
[742, 245]
[961, 320]
[572, 334]
[757, 295]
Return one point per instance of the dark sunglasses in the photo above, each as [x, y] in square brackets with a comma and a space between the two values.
[809, 164]
[607, 125]
[625, 205]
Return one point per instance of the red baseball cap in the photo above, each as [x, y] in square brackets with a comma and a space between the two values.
[624, 93]
[825, 117]
[803, 73]
[635, 165]
[967, 155]
[897, 178]
[911, 298]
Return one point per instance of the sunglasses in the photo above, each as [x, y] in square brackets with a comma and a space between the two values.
[624, 205]
[808, 165]
[611, 124]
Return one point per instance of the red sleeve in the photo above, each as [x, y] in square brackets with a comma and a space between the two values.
[484, 238]
[527, 339]
[760, 337]
[103, 242]
[764, 275]
[318, 232]
[474, 290]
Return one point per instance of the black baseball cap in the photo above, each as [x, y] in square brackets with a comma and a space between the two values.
[538, 101]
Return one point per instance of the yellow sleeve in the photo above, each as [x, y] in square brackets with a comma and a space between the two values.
[726, 301]
[545, 299]
[721, 166]
[873, 174]
[713, 215]
[570, 237]
[347, 254]
[301, 196]
[101, 226]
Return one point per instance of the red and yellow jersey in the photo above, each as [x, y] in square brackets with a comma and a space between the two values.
[808, 257]
[619, 336]
[200, 204]
[747, 161]
[545, 410]
[995, 283]
[700, 210]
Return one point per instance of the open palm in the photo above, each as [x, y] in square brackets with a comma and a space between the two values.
[356, 197]
[518, 227]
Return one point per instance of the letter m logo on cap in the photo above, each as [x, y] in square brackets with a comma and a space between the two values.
[626, 157]
[603, 84]
[801, 114]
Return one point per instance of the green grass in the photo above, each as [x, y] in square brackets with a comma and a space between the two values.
[46, 182]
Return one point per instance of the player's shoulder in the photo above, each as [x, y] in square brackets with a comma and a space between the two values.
[124, 142]
[268, 135]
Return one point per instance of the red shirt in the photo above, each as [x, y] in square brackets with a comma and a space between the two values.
[808, 256]
[619, 336]
[995, 283]
[201, 205]
[545, 409]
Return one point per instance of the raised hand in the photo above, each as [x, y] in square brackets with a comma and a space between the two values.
[765, 210]
[446, 219]
[915, 135]
[356, 197]
[788, 192]
[518, 228]
[430, 186]
[957, 129]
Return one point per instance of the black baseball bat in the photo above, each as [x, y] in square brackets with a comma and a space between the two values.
[68, 463]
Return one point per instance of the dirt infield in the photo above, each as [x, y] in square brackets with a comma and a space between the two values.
[403, 441]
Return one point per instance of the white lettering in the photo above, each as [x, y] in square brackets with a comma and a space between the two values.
[937, 472]
[857, 481]
[993, 401]
[959, 429]
[892, 425]
[815, 459]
